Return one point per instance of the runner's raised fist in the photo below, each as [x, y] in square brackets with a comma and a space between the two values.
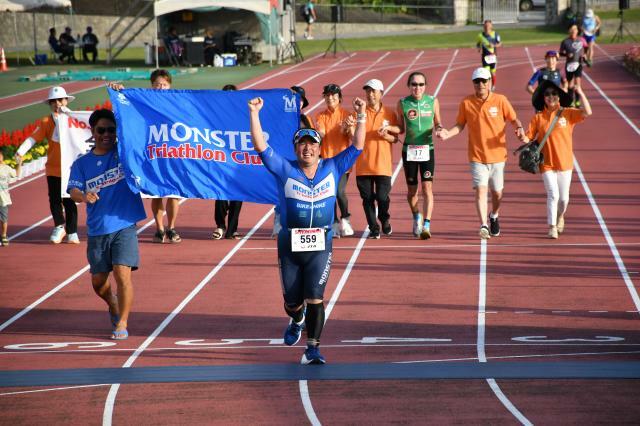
[255, 104]
[359, 105]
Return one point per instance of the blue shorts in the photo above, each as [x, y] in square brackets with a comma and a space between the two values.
[590, 38]
[303, 275]
[117, 248]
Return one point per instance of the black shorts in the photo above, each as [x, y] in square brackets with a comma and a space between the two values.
[571, 75]
[492, 67]
[426, 168]
[303, 275]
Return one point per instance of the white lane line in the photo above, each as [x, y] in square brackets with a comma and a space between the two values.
[60, 286]
[40, 101]
[613, 105]
[107, 416]
[470, 245]
[52, 389]
[608, 55]
[283, 71]
[325, 71]
[22, 182]
[25, 230]
[607, 235]
[303, 385]
[482, 357]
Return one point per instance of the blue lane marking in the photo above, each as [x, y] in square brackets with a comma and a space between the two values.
[290, 372]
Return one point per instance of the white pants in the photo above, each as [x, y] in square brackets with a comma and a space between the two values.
[557, 185]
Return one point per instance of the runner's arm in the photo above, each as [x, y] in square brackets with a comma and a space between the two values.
[255, 105]
[361, 118]
[585, 106]
[437, 124]
[400, 115]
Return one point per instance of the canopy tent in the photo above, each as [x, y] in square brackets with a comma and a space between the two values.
[265, 10]
[27, 5]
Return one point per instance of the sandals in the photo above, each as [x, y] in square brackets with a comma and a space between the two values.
[218, 234]
[172, 236]
[158, 237]
[115, 319]
[234, 236]
[4, 240]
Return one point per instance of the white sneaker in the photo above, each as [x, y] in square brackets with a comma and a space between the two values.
[58, 234]
[276, 226]
[484, 232]
[417, 224]
[560, 226]
[336, 230]
[310, 37]
[73, 238]
[347, 230]
[553, 233]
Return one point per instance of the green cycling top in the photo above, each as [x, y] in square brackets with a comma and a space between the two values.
[418, 120]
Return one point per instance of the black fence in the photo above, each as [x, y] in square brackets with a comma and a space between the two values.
[383, 14]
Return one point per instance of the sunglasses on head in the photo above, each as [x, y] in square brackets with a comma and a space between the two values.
[102, 130]
[480, 80]
[550, 93]
[308, 133]
[416, 84]
[331, 88]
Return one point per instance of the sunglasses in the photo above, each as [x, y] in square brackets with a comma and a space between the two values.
[102, 130]
[480, 81]
[310, 133]
[414, 84]
[331, 88]
[550, 93]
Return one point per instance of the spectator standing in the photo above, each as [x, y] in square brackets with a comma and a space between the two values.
[65, 221]
[67, 45]
[6, 174]
[486, 113]
[488, 43]
[210, 47]
[97, 178]
[373, 167]
[557, 165]
[89, 45]
[418, 115]
[224, 208]
[332, 126]
[309, 14]
[572, 48]
[590, 28]
[549, 73]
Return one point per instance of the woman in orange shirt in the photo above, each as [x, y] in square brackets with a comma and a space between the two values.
[557, 165]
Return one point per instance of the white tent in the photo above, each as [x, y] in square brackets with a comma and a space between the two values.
[163, 7]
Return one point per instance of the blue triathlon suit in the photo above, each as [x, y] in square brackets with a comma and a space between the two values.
[545, 74]
[306, 203]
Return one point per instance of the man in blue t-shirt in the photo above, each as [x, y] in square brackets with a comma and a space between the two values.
[97, 178]
[548, 73]
[307, 198]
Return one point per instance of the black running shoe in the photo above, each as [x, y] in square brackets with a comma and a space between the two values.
[374, 235]
[386, 228]
[494, 225]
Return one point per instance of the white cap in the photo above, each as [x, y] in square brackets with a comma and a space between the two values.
[589, 13]
[58, 92]
[375, 84]
[481, 73]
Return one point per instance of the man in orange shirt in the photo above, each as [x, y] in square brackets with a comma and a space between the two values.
[331, 124]
[373, 167]
[65, 221]
[486, 113]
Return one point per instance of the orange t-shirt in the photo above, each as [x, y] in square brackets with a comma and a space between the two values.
[558, 150]
[329, 123]
[376, 157]
[45, 131]
[486, 126]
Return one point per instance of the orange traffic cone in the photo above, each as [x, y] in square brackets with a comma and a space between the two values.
[3, 61]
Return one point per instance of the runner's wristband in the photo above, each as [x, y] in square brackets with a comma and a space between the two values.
[361, 121]
[361, 116]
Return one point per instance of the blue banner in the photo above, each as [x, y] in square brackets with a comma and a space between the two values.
[197, 144]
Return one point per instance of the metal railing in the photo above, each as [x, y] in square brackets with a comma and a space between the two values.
[385, 14]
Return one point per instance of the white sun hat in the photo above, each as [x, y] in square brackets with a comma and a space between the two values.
[375, 84]
[482, 73]
[589, 13]
[58, 92]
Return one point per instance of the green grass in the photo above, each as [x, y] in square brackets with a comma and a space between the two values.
[631, 15]
[205, 78]
[510, 37]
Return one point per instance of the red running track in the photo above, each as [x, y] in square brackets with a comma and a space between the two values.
[9, 103]
[399, 300]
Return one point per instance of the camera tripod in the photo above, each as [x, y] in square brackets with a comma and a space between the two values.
[619, 35]
[335, 43]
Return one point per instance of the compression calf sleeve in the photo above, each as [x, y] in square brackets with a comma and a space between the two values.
[298, 315]
[314, 322]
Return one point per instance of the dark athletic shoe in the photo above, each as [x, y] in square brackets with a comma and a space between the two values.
[312, 356]
[293, 332]
[374, 235]
[386, 228]
[495, 227]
